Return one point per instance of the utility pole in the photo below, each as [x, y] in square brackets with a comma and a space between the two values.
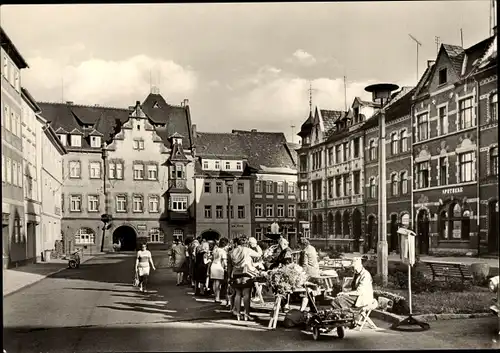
[418, 45]
[436, 40]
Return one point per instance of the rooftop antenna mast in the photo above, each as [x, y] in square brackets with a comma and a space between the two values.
[293, 132]
[310, 97]
[461, 38]
[418, 45]
[436, 40]
[150, 82]
[345, 93]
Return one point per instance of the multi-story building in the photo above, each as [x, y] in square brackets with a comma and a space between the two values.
[455, 151]
[398, 169]
[14, 242]
[134, 164]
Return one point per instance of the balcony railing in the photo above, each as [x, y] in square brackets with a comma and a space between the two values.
[177, 183]
[318, 204]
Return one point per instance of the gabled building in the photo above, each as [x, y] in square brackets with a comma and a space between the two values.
[455, 151]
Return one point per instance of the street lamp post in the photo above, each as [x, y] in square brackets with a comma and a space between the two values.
[105, 218]
[229, 185]
[381, 93]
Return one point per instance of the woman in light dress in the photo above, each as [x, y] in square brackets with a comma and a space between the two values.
[218, 269]
[179, 259]
[142, 266]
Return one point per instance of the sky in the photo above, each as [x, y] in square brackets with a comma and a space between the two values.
[242, 66]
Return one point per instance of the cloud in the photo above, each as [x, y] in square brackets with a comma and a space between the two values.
[303, 58]
[115, 83]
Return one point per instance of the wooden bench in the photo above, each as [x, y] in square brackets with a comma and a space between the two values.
[447, 270]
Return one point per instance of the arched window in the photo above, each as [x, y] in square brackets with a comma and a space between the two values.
[85, 236]
[394, 143]
[372, 150]
[156, 235]
[494, 107]
[404, 141]
[404, 182]
[494, 161]
[443, 225]
[373, 188]
[394, 184]
[457, 221]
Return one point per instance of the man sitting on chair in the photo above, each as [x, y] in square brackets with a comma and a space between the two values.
[361, 293]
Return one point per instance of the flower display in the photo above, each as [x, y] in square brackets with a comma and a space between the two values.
[285, 279]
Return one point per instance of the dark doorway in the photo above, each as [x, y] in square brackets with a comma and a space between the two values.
[31, 240]
[338, 225]
[371, 233]
[345, 221]
[423, 232]
[210, 235]
[493, 227]
[127, 237]
[393, 245]
[356, 228]
[330, 224]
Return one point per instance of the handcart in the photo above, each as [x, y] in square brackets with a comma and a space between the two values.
[325, 321]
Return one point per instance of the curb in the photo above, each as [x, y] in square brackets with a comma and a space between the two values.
[42, 278]
[394, 318]
[387, 317]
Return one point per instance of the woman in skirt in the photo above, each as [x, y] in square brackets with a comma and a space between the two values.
[218, 269]
[179, 260]
[142, 266]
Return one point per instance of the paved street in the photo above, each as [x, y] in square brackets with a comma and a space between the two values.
[95, 308]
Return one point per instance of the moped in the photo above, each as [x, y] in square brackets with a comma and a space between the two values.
[74, 260]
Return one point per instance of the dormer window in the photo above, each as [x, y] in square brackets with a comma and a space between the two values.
[95, 141]
[238, 165]
[156, 105]
[228, 165]
[177, 141]
[63, 138]
[217, 165]
[205, 164]
[76, 140]
[443, 76]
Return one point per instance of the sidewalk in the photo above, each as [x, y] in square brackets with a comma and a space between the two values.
[15, 279]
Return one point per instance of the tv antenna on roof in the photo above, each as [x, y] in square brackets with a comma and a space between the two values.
[310, 90]
[418, 45]
[436, 40]
[293, 132]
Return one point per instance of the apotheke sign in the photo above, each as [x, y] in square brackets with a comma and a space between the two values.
[453, 191]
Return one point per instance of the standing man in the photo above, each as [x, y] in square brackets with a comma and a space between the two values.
[192, 257]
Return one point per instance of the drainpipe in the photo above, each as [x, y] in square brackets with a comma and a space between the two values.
[478, 189]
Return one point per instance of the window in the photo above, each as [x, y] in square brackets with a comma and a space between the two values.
[373, 188]
[156, 235]
[394, 143]
[443, 120]
[85, 236]
[93, 203]
[17, 81]
[465, 113]
[258, 210]
[76, 141]
[14, 173]
[291, 188]
[291, 211]
[9, 170]
[138, 203]
[228, 165]
[5, 70]
[138, 171]
[4, 169]
[178, 233]
[443, 171]
[217, 165]
[119, 171]
[338, 153]
[356, 182]
[121, 203]
[95, 141]
[219, 210]
[229, 188]
[75, 203]
[347, 151]
[153, 204]
[138, 144]
[443, 224]
[443, 76]
[241, 212]
[74, 169]
[280, 187]
[347, 185]
[423, 175]
[280, 210]
[269, 211]
[241, 188]
[303, 193]
[20, 174]
[258, 187]
[231, 211]
[494, 107]
[372, 150]
[218, 187]
[179, 171]
[238, 165]
[111, 170]
[6, 113]
[494, 161]
[269, 187]
[63, 138]
[152, 172]
[404, 182]
[179, 203]
[258, 234]
[95, 170]
[356, 143]
[466, 167]
[208, 211]
[404, 141]
[394, 184]
[330, 188]
[423, 126]
[207, 187]
[303, 163]
[330, 155]
[338, 186]
[205, 165]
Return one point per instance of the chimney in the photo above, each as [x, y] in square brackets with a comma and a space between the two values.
[137, 103]
[193, 129]
[69, 102]
[430, 63]
[186, 102]
[253, 130]
[182, 104]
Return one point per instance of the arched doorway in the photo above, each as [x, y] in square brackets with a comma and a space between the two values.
[338, 225]
[210, 235]
[127, 237]
[393, 244]
[493, 227]
[356, 228]
[345, 220]
[423, 232]
[371, 236]
[330, 224]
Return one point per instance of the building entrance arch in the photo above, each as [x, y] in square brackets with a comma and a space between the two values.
[210, 235]
[127, 237]
[356, 228]
[393, 244]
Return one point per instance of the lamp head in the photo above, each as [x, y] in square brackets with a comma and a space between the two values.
[381, 92]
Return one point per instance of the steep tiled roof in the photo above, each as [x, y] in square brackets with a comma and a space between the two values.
[217, 145]
[399, 95]
[176, 118]
[456, 55]
[330, 117]
[306, 126]
[368, 103]
[476, 54]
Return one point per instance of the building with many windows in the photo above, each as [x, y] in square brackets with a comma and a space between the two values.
[14, 242]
